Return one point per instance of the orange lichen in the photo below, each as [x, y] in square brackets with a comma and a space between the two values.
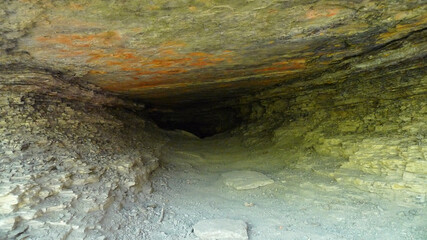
[96, 55]
[168, 52]
[97, 72]
[169, 62]
[131, 69]
[75, 6]
[312, 14]
[201, 63]
[140, 68]
[153, 69]
[199, 54]
[402, 29]
[153, 7]
[174, 44]
[122, 54]
[104, 39]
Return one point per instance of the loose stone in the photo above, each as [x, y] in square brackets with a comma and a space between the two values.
[243, 180]
[221, 229]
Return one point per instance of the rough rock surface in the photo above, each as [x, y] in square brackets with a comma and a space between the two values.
[199, 49]
[243, 180]
[221, 229]
[372, 122]
[338, 88]
[65, 165]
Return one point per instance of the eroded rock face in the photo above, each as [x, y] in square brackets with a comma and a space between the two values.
[66, 164]
[340, 85]
[373, 120]
[200, 56]
[199, 50]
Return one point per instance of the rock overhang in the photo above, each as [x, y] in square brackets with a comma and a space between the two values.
[174, 53]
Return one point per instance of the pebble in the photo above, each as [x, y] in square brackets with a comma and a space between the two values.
[221, 229]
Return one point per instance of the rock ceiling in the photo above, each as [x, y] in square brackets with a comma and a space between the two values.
[165, 51]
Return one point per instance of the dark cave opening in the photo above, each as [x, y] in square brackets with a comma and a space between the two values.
[200, 120]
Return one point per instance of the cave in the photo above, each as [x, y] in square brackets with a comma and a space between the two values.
[211, 119]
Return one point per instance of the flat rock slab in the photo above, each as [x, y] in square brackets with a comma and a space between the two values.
[221, 229]
[242, 180]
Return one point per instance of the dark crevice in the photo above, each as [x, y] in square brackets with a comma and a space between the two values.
[202, 121]
[384, 45]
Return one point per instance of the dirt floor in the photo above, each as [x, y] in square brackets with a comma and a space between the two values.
[300, 204]
[188, 186]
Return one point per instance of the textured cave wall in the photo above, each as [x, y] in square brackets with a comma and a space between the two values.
[364, 123]
[346, 95]
[68, 160]
[174, 52]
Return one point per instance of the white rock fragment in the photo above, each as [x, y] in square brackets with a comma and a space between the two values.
[6, 224]
[242, 180]
[7, 203]
[221, 229]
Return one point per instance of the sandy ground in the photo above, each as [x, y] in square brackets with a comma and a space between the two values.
[300, 204]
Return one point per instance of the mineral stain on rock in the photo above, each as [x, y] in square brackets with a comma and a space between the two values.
[139, 47]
